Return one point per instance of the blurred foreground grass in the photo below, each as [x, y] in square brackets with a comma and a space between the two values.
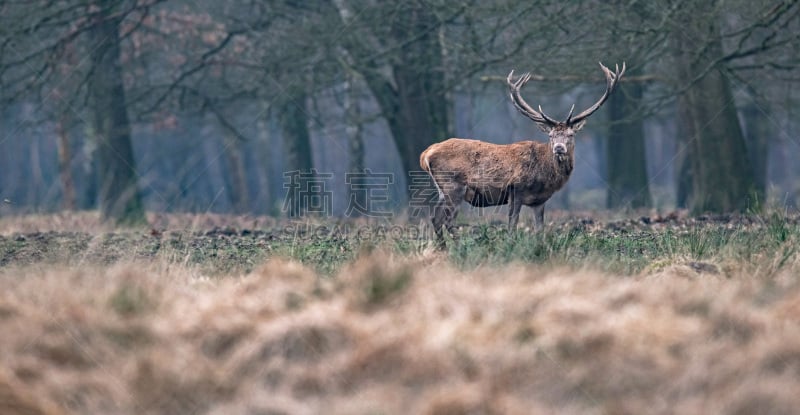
[215, 315]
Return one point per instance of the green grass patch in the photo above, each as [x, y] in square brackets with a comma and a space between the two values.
[624, 247]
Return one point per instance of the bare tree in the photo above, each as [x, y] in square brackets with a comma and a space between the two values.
[722, 175]
[355, 139]
[119, 194]
[37, 64]
[240, 196]
[626, 160]
[184, 60]
[293, 118]
[409, 83]
[64, 164]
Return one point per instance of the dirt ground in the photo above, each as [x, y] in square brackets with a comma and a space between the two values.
[225, 243]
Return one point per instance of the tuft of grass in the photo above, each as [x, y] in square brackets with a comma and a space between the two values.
[779, 229]
[382, 286]
[373, 281]
[130, 299]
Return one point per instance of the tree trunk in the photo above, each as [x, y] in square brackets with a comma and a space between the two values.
[758, 132]
[419, 118]
[120, 201]
[299, 176]
[265, 166]
[36, 188]
[626, 159]
[722, 175]
[412, 98]
[685, 133]
[722, 178]
[238, 176]
[89, 176]
[352, 113]
[64, 165]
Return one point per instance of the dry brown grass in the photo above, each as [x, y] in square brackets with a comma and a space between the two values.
[396, 335]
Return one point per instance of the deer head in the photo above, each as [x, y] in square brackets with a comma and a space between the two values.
[561, 133]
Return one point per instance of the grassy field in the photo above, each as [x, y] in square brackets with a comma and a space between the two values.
[221, 315]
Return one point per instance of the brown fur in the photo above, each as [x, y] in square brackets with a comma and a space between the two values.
[485, 174]
[483, 167]
[523, 173]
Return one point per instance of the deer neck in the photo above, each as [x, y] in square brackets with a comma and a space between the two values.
[546, 165]
[563, 164]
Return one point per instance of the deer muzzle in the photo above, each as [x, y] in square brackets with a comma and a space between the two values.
[559, 148]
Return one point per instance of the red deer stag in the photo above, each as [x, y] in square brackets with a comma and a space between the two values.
[523, 173]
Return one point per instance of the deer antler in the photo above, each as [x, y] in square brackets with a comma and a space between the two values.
[611, 83]
[523, 107]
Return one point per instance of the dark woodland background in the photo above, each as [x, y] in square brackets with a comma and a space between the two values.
[203, 106]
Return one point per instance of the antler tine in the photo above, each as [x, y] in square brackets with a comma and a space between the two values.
[550, 120]
[519, 102]
[570, 112]
[611, 82]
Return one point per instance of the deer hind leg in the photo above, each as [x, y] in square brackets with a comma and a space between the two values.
[446, 209]
[441, 213]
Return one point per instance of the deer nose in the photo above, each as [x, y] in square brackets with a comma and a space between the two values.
[559, 148]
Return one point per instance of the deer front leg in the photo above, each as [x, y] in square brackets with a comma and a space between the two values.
[449, 224]
[514, 206]
[538, 217]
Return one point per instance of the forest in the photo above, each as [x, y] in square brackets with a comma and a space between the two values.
[199, 106]
[222, 207]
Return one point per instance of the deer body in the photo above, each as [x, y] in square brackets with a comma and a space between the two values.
[525, 173]
[490, 171]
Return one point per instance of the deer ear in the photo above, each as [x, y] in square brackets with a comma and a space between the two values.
[578, 125]
[544, 127]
